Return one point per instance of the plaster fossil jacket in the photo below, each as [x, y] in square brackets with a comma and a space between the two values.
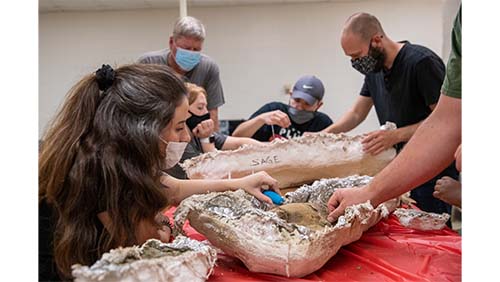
[291, 240]
[292, 162]
[182, 260]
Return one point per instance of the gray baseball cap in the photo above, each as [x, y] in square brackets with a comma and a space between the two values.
[309, 88]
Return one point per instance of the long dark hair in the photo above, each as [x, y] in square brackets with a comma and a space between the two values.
[101, 153]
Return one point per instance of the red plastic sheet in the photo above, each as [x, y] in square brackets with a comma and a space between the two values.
[386, 252]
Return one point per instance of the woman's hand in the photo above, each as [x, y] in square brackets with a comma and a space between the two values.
[148, 229]
[255, 183]
[204, 129]
[165, 228]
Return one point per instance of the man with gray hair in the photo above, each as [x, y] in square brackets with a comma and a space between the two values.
[403, 82]
[185, 58]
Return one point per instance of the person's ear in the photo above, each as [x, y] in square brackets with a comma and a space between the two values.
[171, 43]
[320, 103]
[377, 40]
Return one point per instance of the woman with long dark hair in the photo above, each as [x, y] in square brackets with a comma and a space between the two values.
[100, 167]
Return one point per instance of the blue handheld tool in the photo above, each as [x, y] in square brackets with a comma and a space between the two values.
[275, 197]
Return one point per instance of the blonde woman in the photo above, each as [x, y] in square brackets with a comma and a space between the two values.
[202, 130]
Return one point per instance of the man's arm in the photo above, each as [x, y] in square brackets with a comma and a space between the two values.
[249, 127]
[428, 152]
[379, 140]
[435, 142]
[214, 115]
[215, 94]
[353, 117]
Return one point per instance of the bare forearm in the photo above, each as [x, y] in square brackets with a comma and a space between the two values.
[233, 143]
[428, 152]
[249, 127]
[214, 115]
[208, 147]
[198, 186]
[405, 133]
[177, 189]
[346, 123]
[353, 117]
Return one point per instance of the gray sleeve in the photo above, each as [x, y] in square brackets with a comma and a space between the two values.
[154, 57]
[214, 87]
[145, 59]
[220, 139]
[177, 172]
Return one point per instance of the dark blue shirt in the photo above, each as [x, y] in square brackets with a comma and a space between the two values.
[318, 123]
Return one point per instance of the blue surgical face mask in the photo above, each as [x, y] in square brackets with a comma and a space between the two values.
[186, 59]
[300, 116]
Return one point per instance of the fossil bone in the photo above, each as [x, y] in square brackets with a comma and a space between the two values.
[182, 260]
[293, 161]
[421, 220]
[292, 240]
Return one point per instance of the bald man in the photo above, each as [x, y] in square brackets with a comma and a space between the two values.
[430, 149]
[403, 82]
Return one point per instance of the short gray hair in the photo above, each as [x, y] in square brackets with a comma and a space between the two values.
[189, 27]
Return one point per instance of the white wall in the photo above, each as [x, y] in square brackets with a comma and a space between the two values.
[450, 9]
[258, 48]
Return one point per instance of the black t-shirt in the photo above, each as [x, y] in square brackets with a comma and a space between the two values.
[318, 123]
[404, 93]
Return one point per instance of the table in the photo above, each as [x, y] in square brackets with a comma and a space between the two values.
[385, 252]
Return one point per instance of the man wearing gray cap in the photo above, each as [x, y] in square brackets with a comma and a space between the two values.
[279, 120]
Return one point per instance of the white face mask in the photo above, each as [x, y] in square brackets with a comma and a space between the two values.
[173, 153]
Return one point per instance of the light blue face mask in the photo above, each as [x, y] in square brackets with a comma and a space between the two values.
[186, 59]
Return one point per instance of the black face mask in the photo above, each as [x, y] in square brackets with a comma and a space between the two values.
[194, 120]
[373, 62]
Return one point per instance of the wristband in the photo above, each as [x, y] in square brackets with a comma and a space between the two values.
[208, 140]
